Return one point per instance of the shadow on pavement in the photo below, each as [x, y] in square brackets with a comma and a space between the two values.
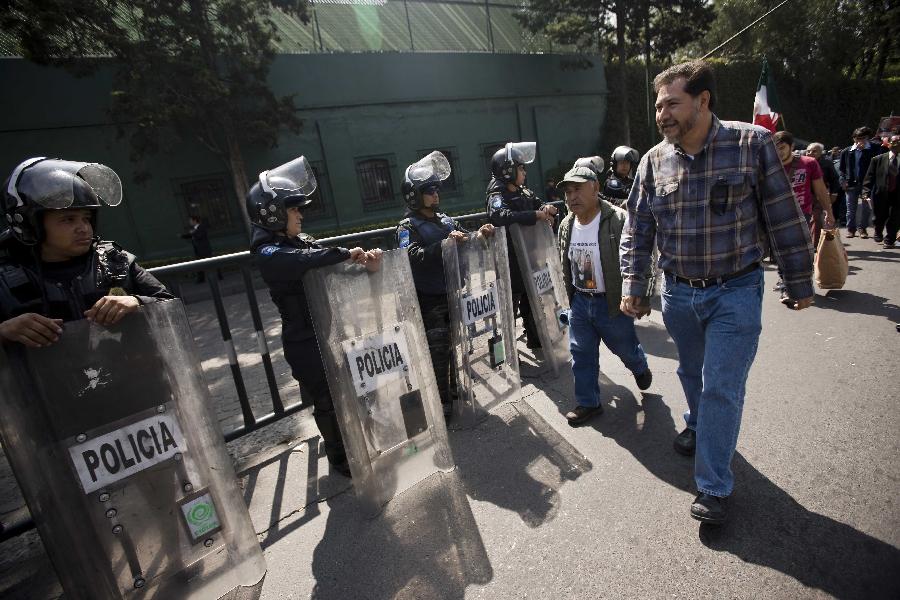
[768, 527]
[425, 545]
[852, 301]
[882, 255]
[655, 340]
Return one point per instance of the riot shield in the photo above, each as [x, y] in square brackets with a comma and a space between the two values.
[542, 274]
[482, 325]
[112, 437]
[370, 333]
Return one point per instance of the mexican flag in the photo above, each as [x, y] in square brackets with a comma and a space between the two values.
[765, 104]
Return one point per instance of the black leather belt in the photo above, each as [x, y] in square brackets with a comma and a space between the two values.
[589, 294]
[705, 283]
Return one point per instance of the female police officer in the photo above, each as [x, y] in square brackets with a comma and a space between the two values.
[283, 255]
[54, 269]
[421, 232]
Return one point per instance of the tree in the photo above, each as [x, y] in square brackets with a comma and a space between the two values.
[184, 68]
[653, 29]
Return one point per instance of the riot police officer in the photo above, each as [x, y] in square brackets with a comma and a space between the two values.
[54, 268]
[622, 167]
[421, 232]
[510, 201]
[275, 205]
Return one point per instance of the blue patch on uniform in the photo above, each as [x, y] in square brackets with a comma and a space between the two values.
[403, 237]
[497, 203]
[614, 183]
[448, 221]
[268, 250]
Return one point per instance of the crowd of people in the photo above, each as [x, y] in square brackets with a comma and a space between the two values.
[704, 207]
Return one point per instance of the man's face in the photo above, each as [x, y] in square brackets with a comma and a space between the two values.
[431, 198]
[814, 152]
[860, 141]
[581, 198]
[784, 152]
[894, 143]
[520, 175]
[623, 168]
[677, 112]
[294, 221]
[67, 233]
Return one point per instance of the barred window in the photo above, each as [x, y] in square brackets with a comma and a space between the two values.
[376, 185]
[211, 199]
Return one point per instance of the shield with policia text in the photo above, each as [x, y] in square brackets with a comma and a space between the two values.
[373, 344]
[539, 264]
[482, 324]
[111, 434]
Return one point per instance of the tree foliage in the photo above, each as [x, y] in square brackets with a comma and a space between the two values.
[184, 68]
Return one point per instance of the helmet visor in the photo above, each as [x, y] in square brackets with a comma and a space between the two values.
[521, 153]
[293, 178]
[50, 183]
[433, 167]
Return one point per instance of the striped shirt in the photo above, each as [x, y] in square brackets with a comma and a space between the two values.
[715, 213]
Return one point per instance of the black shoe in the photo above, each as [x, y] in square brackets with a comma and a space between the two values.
[888, 244]
[582, 414]
[342, 467]
[878, 238]
[779, 286]
[711, 510]
[686, 442]
[644, 379]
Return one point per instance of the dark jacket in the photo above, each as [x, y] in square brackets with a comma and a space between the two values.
[617, 188]
[875, 183]
[64, 290]
[505, 208]
[830, 175]
[282, 261]
[422, 237]
[612, 220]
[848, 172]
[199, 236]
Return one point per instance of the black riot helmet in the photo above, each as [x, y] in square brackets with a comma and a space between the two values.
[279, 189]
[427, 172]
[40, 184]
[624, 153]
[506, 159]
[594, 163]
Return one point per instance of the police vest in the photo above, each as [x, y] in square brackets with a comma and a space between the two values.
[429, 278]
[24, 290]
[616, 187]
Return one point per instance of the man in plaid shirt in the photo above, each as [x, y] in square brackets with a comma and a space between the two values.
[715, 198]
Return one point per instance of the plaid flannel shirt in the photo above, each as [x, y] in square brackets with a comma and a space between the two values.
[715, 213]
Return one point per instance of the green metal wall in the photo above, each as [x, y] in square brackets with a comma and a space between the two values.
[352, 105]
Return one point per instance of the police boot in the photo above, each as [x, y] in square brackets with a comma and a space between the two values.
[327, 423]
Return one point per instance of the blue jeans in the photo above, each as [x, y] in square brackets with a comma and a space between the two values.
[716, 331]
[854, 224]
[589, 323]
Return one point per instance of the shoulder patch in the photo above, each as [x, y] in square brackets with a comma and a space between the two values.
[496, 201]
[448, 221]
[403, 237]
[268, 250]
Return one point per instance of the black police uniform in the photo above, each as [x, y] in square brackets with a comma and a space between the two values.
[505, 208]
[617, 188]
[282, 261]
[64, 290]
[422, 237]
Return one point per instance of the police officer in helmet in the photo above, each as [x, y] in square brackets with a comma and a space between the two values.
[54, 268]
[622, 167]
[421, 232]
[510, 201]
[283, 254]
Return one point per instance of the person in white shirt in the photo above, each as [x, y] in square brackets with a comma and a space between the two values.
[589, 253]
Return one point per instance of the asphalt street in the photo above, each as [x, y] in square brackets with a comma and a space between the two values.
[536, 509]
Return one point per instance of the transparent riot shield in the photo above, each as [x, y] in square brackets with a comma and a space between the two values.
[370, 333]
[482, 325]
[541, 270]
[112, 437]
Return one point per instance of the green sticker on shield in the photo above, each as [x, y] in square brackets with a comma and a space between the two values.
[200, 515]
[497, 351]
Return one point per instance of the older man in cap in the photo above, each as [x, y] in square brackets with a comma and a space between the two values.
[589, 250]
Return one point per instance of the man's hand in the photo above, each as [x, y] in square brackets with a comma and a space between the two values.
[31, 329]
[486, 230]
[373, 259]
[634, 306]
[829, 221]
[549, 208]
[543, 215]
[459, 236]
[109, 310]
[358, 256]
